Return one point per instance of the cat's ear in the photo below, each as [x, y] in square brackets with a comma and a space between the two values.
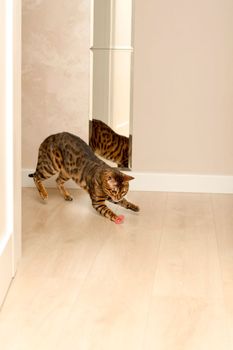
[127, 178]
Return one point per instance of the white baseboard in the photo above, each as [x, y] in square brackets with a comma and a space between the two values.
[160, 182]
[182, 183]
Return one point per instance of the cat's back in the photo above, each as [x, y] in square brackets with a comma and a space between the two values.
[101, 131]
[67, 139]
[100, 127]
[67, 142]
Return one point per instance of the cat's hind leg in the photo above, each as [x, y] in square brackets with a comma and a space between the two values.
[38, 177]
[44, 171]
[48, 164]
[62, 178]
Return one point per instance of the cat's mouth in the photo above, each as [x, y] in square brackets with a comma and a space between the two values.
[117, 199]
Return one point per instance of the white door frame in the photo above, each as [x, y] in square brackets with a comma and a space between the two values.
[10, 112]
[111, 55]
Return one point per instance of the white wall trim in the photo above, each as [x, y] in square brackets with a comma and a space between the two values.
[160, 182]
[6, 272]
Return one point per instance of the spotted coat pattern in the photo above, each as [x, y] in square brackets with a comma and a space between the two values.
[72, 158]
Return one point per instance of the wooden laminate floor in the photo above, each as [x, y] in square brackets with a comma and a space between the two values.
[163, 280]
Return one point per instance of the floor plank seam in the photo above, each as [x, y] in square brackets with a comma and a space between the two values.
[220, 265]
[155, 268]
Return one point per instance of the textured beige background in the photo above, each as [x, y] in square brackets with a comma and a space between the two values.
[183, 86]
[182, 91]
[55, 71]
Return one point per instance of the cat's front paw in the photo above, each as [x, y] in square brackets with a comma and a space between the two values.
[134, 207]
[68, 198]
[44, 195]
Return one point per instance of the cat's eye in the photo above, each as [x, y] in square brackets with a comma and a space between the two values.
[109, 178]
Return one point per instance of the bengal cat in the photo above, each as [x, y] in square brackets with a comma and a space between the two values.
[108, 144]
[72, 158]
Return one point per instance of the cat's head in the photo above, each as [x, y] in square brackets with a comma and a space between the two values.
[115, 184]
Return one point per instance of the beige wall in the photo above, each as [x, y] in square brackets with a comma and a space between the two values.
[55, 71]
[182, 89]
[183, 86]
